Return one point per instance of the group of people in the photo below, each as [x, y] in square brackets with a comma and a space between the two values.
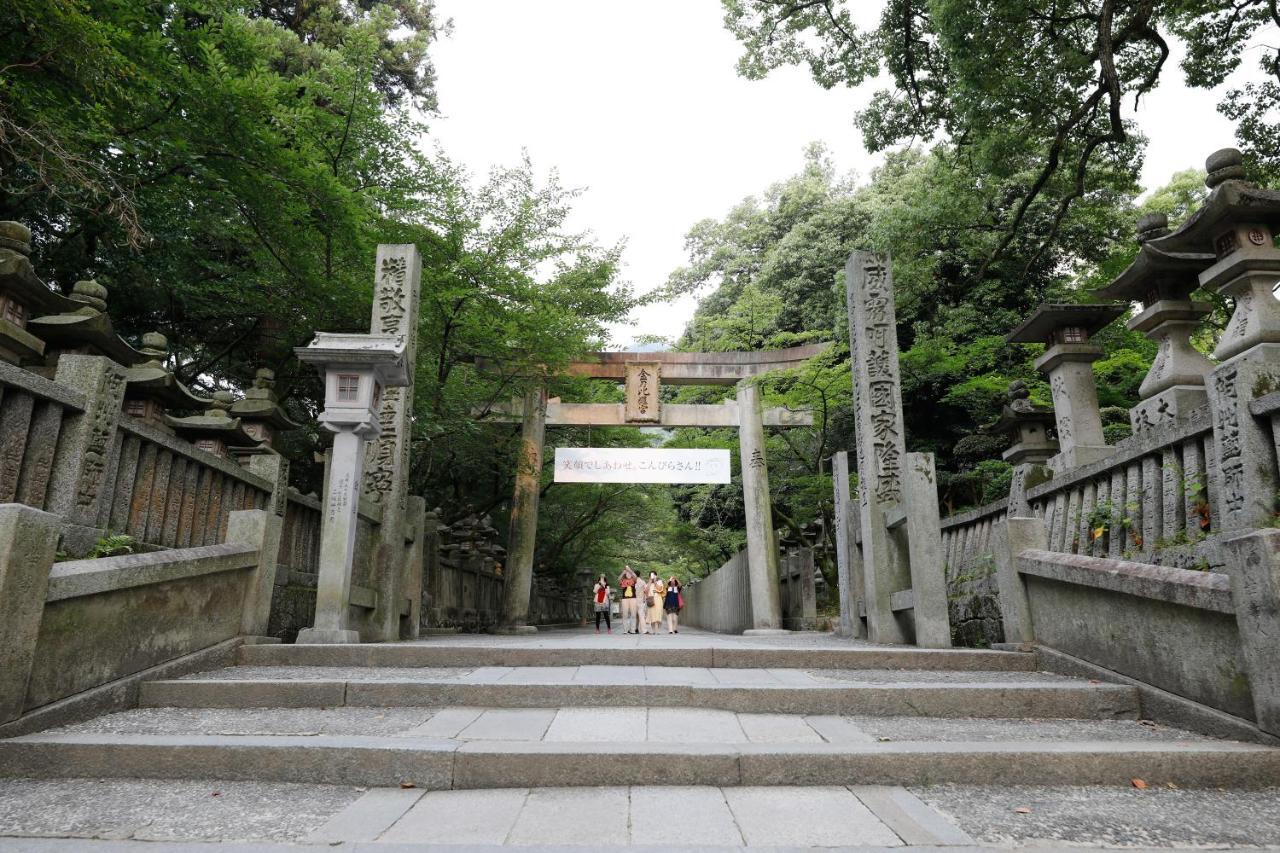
[643, 603]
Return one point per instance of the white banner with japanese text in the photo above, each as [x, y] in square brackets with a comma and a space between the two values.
[640, 465]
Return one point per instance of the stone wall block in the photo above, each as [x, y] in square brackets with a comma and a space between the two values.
[1253, 563]
[28, 540]
[261, 530]
[1012, 537]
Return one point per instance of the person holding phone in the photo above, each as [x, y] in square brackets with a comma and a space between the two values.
[629, 584]
[672, 602]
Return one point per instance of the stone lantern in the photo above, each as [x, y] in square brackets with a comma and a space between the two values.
[1066, 330]
[259, 411]
[215, 431]
[151, 388]
[1028, 427]
[1237, 224]
[356, 369]
[1163, 282]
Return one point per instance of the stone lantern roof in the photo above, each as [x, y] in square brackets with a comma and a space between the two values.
[85, 328]
[1232, 201]
[1157, 274]
[152, 380]
[215, 427]
[1049, 317]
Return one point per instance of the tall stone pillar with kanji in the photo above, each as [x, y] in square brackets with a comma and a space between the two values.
[386, 481]
[904, 580]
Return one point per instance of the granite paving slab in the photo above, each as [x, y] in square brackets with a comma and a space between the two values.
[1010, 815]
[164, 809]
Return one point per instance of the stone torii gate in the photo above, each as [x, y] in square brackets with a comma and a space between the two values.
[643, 375]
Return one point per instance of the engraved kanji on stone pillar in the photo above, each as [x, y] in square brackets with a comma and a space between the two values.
[386, 481]
[873, 337]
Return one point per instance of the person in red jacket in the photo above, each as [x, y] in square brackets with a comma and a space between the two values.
[603, 604]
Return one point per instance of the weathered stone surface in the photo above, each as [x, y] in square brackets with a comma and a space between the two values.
[1012, 537]
[518, 583]
[873, 340]
[28, 538]
[762, 543]
[851, 580]
[1254, 567]
[930, 617]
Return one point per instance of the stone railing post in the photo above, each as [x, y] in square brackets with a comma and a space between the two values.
[848, 554]
[259, 529]
[416, 521]
[28, 540]
[87, 448]
[923, 528]
[1253, 562]
[1009, 539]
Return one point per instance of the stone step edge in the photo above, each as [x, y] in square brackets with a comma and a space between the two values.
[443, 764]
[374, 654]
[1043, 701]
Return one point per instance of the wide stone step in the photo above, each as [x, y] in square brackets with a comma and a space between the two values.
[662, 650]
[865, 692]
[438, 763]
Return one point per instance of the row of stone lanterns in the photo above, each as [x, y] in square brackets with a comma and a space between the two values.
[39, 325]
[1227, 247]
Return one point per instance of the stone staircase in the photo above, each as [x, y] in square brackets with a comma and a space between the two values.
[825, 736]
[468, 715]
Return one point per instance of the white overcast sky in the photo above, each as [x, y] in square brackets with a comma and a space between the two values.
[638, 102]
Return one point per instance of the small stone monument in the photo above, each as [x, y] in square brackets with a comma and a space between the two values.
[1066, 329]
[357, 369]
[1163, 282]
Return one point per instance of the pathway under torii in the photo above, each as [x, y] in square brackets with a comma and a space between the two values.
[643, 374]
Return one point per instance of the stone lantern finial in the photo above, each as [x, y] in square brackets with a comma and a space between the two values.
[15, 236]
[222, 402]
[155, 347]
[91, 296]
[1152, 226]
[1225, 164]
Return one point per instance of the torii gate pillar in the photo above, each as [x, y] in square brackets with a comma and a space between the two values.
[762, 543]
